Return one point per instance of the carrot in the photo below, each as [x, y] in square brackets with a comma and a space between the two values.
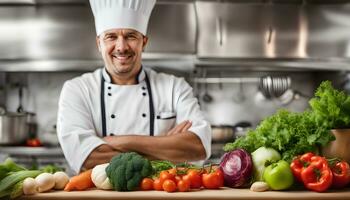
[81, 181]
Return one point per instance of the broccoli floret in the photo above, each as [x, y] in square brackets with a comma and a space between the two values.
[126, 171]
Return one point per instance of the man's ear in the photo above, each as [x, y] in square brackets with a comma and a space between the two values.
[144, 42]
[98, 43]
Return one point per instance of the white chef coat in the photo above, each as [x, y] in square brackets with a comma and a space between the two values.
[79, 124]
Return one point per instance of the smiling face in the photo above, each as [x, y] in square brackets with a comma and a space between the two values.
[121, 51]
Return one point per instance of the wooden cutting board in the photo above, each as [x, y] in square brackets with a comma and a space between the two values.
[222, 194]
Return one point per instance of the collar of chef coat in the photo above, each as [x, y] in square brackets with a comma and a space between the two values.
[139, 78]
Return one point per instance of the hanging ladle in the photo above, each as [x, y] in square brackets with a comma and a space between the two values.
[206, 96]
[20, 95]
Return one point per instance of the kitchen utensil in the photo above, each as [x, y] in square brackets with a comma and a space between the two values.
[20, 95]
[206, 96]
[339, 147]
[239, 97]
[13, 128]
[222, 133]
[274, 87]
[226, 133]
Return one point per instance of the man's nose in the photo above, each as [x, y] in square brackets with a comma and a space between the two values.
[121, 45]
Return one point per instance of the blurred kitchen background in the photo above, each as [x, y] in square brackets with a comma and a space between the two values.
[244, 58]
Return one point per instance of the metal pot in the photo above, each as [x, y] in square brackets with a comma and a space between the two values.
[228, 133]
[13, 128]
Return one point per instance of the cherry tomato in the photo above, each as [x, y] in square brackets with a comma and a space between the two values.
[195, 179]
[164, 175]
[147, 184]
[158, 185]
[177, 179]
[183, 186]
[169, 186]
[33, 142]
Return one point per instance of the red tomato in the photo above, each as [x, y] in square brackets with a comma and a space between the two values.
[169, 186]
[164, 175]
[183, 185]
[194, 177]
[147, 184]
[221, 176]
[341, 174]
[213, 180]
[33, 142]
[158, 185]
[177, 179]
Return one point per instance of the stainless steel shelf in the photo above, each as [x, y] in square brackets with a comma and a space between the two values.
[31, 151]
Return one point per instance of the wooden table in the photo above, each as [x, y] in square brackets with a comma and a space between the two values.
[226, 193]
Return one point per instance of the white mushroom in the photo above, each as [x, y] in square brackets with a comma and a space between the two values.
[30, 186]
[45, 182]
[61, 180]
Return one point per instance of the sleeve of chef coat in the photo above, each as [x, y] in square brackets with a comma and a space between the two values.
[75, 128]
[187, 108]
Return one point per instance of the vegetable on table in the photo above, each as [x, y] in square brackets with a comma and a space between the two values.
[9, 166]
[237, 167]
[99, 177]
[259, 186]
[79, 182]
[331, 107]
[299, 163]
[146, 184]
[262, 157]
[30, 186]
[341, 173]
[293, 134]
[279, 175]
[183, 185]
[169, 185]
[15, 177]
[45, 182]
[194, 177]
[61, 180]
[214, 179]
[317, 176]
[126, 171]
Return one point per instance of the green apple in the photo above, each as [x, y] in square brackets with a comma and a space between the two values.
[279, 176]
[261, 157]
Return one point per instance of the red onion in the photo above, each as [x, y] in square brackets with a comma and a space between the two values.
[237, 167]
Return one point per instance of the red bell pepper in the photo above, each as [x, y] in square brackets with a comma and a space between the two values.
[299, 163]
[341, 173]
[317, 176]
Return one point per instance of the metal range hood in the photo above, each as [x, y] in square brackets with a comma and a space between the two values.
[58, 35]
[277, 34]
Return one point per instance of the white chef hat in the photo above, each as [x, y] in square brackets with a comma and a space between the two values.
[133, 14]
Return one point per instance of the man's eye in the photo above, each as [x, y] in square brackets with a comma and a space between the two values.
[131, 37]
[110, 37]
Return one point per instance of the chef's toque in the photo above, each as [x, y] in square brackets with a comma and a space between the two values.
[130, 14]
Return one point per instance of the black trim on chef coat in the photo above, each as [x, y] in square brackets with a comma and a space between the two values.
[103, 107]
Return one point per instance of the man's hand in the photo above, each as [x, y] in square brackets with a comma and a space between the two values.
[180, 128]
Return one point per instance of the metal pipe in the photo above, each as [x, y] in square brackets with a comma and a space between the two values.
[226, 80]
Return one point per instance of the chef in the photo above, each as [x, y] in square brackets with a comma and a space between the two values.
[125, 106]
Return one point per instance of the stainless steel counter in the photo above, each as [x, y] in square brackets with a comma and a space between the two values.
[31, 151]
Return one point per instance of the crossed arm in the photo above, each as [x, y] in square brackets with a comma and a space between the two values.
[177, 145]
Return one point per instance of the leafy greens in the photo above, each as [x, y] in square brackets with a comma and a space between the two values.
[296, 133]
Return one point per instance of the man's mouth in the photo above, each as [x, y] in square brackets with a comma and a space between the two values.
[122, 58]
